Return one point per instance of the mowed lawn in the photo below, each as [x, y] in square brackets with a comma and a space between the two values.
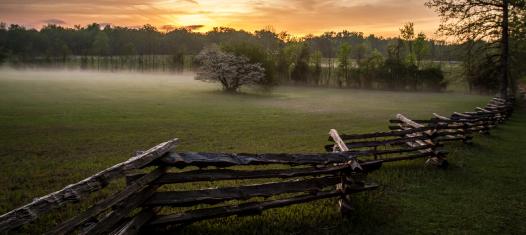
[60, 127]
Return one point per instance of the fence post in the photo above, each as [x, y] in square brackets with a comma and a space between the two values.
[351, 178]
[436, 159]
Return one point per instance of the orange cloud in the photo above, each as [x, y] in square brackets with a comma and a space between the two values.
[299, 17]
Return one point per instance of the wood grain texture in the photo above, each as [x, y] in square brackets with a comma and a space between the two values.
[213, 196]
[228, 174]
[182, 160]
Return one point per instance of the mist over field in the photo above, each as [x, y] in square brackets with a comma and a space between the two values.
[183, 86]
[51, 74]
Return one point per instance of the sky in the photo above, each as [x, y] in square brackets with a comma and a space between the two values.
[298, 17]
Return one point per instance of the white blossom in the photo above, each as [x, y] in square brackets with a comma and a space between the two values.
[228, 69]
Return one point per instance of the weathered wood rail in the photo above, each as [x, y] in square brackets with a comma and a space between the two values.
[423, 138]
[290, 178]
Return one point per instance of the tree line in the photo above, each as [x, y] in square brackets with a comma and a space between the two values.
[18, 43]
[342, 59]
[353, 66]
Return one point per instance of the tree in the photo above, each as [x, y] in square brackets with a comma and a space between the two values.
[300, 70]
[316, 72]
[394, 69]
[283, 65]
[256, 54]
[480, 74]
[360, 52]
[487, 20]
[268, 38]
[344, 64]
[370, 68]
[432, 79]
[518, 46]
[325, 43]
[229, 70]
[3, 39]
[65, 52]
[101, 46]
[421, 48]
[407, 32]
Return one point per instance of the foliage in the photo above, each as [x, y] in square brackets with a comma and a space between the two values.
[421, 48]
[479, 68]
[256, 55]
[231, 71]
[3, 38]
[407, 33]
[343, 63]
[269, 39]
[432, 79]
[359, 52]
[370, 69]
[21, 43]
[481, 73]
[101, 46]
[300, 63]
[484, 20]
[283, 63]
[316, 71]
[473, 19]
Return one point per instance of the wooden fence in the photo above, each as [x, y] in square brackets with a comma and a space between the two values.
[305, 177]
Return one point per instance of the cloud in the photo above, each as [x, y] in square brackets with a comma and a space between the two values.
[301, 17]
[193, 27]
[130, 12]
[192, 1]
[54, 21]
[169, 27]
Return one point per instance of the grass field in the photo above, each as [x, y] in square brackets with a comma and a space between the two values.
[59, 127]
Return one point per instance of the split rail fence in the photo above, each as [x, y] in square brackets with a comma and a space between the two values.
[305, 177]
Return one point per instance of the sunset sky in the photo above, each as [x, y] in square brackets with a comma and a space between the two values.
[299, 17]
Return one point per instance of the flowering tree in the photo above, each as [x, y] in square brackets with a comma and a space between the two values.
[229, 70]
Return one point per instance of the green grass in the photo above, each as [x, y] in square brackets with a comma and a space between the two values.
[58, 128]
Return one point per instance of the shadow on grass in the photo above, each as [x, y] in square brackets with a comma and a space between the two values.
[368, 217]
[254, 94]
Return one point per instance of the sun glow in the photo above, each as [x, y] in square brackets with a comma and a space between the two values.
[197, 19]
[298, 17]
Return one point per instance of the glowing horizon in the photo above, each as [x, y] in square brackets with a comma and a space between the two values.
[298, 17]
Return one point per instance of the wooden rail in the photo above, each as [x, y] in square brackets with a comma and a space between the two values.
[424, 137]
[74, 192]
[298, 178]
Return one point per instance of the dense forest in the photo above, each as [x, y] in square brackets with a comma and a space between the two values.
[56, 42]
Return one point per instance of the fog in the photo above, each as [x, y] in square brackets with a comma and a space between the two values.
[103, 83]
[67, 74]
[182, 86]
